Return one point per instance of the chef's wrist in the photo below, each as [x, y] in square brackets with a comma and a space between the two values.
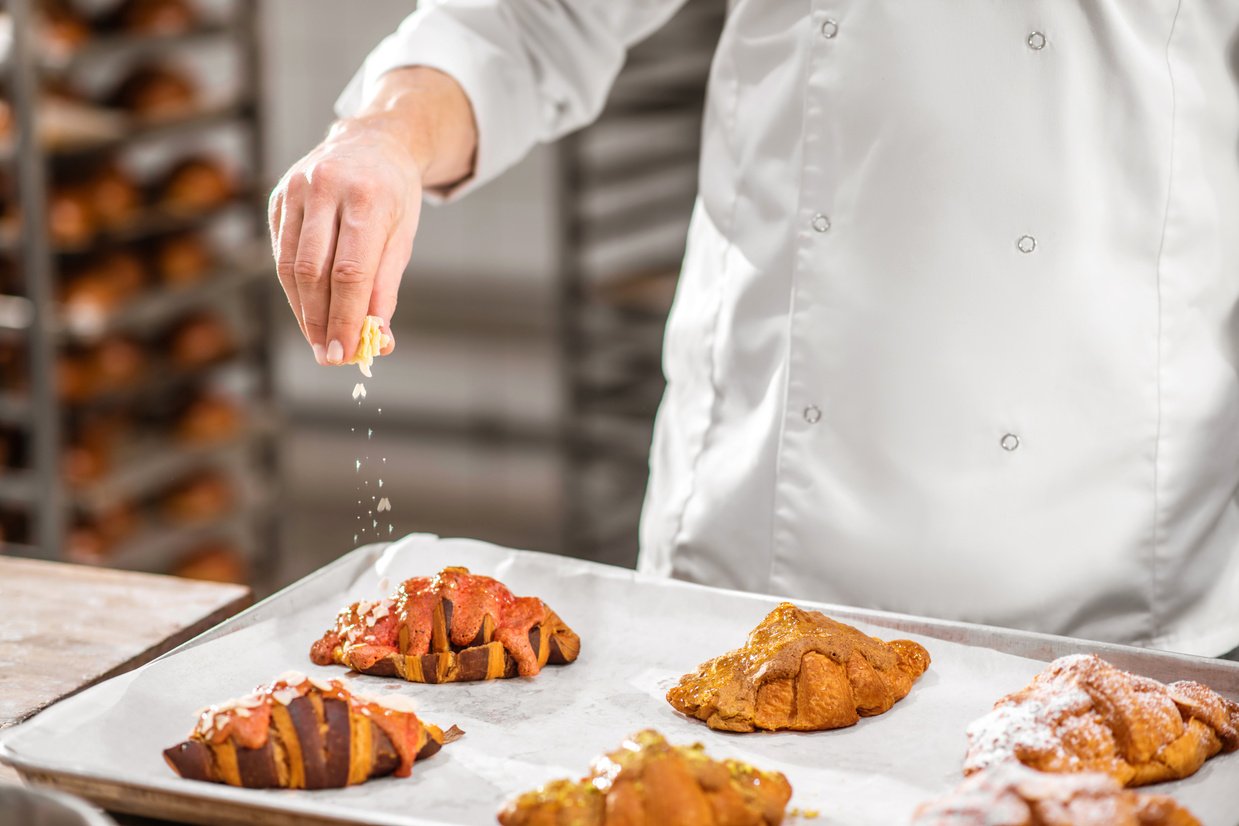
[428, 115]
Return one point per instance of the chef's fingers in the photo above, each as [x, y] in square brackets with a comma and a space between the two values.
[387, 278]
[285, 218]
[312, 268]
[359, 249]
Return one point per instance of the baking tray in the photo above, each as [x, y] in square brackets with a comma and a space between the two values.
[639, 634]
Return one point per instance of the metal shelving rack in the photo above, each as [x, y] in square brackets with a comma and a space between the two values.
[34, 316]
[628, 185]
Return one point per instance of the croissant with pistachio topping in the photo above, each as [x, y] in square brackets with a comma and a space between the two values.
[800, 670]
[299, 733]
[452, 627]
[649, 782]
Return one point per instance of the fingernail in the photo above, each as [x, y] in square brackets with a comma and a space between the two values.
[335, 352]
[320, 355]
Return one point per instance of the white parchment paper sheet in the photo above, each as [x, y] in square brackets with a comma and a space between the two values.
[638, 636]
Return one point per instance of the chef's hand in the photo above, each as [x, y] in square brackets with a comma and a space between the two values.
[343, 218]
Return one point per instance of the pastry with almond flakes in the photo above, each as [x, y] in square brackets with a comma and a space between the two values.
[302, 733]
[451, 627]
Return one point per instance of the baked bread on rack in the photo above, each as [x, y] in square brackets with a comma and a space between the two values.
[1011, 794]
[800, 670]
[451, 627]
[649, 782]
[1083, 714]
[302, 733]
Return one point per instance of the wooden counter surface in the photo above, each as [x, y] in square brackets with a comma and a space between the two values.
[66, 627]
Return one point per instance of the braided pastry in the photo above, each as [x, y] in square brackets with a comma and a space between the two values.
[800, 670]
[299, 733]
[1013, 795]
[649, 782]
[1083, 714]
[452, 627]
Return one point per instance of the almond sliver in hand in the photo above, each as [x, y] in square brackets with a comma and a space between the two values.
[373, 340]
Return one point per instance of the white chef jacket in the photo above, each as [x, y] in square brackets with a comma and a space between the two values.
[957, 332]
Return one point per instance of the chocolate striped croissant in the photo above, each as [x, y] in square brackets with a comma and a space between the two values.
[299, 733]
[452, 627]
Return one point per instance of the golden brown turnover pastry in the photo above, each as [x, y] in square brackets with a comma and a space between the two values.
[115, 198]
[1083, 714]
[649, 782]
[156, 91]
[201, 340]
[451, 627]
[203, 496]
[183, 258]
[63, 29]
[71, 218]
[197, 183]
[219, 561]
[101, 285]
[210, 418]
[800, 670]
[1011, 794]
[82, 463]
[302, 733]
[118, 362]
[157, 17]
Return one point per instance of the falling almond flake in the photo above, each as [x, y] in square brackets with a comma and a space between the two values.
[389, 530]
[357, 465]
[369, 432]
[354, 537]
[384, 504]
[376, 524]
[380, 483]
[359, 391]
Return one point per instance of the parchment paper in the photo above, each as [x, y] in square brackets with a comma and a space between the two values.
[638, 636]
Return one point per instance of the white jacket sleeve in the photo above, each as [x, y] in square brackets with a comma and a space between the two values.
[533, 70]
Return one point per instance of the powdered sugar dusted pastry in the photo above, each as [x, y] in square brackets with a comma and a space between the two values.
[1083, 714]
[1011, 794]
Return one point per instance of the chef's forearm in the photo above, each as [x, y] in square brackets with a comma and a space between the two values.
[428, 112]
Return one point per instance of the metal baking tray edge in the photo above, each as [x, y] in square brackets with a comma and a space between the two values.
[116, 794]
